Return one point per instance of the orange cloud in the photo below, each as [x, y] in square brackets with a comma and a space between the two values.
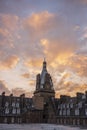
[78, 63]
[56, 52]
[26, 75]
[57, 49]
[10, 22]
[70, 84]
[34, 62]
[70, 88]
[32, 82]
[9, 26]
[39, 21]
[39, 24]
[46, 41]
[9, 63]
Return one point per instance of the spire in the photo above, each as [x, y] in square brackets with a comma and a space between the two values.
[44, 64]
[44, 72]
[44, 80]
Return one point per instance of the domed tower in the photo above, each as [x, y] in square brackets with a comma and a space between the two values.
[44, 86]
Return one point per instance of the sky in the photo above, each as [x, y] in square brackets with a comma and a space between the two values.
[33, 29]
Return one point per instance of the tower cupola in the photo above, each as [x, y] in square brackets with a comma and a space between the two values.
[44, 80]
[44, 87]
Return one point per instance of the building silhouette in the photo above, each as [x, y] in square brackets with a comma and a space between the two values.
[43, 107]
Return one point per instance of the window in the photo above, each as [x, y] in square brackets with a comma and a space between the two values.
[76, 112]
[71, 105]
[6, 104]
[63, 105]
[17, 104]
[84, 97]
[7, 111]
[86, 111]
[13, 104]
[80, 104]
[68, 112]
[18, 111]
[18, 99]
[64, 112]
[14, 111]
[67, 105]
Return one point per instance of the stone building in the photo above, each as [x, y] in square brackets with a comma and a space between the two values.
[72, 110]
[43, 107]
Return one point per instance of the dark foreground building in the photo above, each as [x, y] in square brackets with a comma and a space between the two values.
[43, 107]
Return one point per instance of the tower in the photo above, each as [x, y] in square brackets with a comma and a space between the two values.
[44, 88]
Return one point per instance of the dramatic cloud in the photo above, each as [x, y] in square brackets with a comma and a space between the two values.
[34, 62]
[69, 86]
[71, 89]
[78, 63]
[9, 62]
[56, 30]
[55, 50]
[41, 23]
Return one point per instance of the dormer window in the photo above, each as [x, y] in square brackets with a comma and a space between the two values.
[13, 104]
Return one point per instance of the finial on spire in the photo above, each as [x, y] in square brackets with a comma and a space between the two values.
[44, 59]
[44, 63]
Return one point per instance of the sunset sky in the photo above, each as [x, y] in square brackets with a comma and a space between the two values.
[33, 29]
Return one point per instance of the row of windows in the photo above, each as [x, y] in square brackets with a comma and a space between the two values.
[13, 104]
[14, 111]
[12, 120]
[79, 105]
[67, 112]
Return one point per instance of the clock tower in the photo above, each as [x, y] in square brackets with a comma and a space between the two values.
[44, 88]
